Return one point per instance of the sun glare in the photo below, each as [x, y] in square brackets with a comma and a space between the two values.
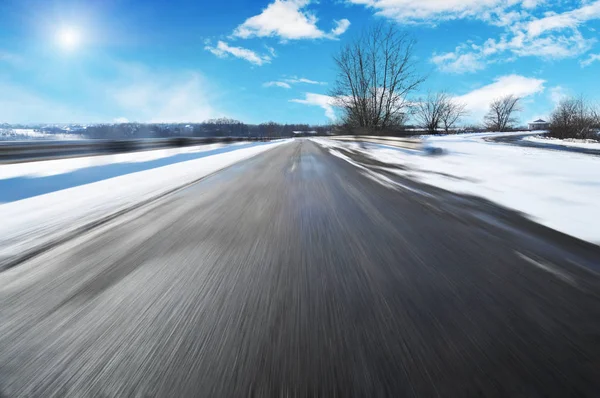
[69, 38]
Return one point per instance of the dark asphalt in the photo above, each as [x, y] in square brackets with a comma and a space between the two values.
[297, 274]
[518, 140]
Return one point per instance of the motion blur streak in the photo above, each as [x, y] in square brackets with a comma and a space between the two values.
[295, 274]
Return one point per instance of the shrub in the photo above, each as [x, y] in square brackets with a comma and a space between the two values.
[574, 118]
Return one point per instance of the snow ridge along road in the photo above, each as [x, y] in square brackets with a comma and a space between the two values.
[530, 141]
[36, 223]
[557, 189]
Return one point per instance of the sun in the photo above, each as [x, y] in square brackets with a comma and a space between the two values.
[69, 38]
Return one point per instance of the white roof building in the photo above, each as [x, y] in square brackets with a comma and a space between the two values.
[539, 124]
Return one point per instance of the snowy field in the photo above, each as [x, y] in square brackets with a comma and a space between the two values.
[40, 200]
[590, 144]
[23, 180]
[557, 189]
[30, 134]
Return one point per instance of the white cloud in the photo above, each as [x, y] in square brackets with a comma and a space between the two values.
[324, 101]
[163, 98]
[505, 18]
[433, 11]
[341, 26]
[590, 60]
[527, 30]
[277, 84]
[287, 83]
[125, 92]
[296, 80]
[570, 19]
[515, 42]
[478, 100]
[557, 94]
[223, 50]
[271, 50]
[533, 3]
[458, 63]
[288, 20]
[551, 47]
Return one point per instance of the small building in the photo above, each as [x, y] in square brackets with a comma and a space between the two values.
[539, 125]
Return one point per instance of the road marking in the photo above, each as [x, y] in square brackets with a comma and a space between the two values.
[549, 268]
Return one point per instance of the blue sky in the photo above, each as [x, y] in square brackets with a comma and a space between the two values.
[155, 61]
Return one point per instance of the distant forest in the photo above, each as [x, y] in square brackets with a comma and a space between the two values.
[210, 128]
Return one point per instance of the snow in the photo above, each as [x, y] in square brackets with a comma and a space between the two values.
[62, 166]
[572, 142]
[557, 189]
[483, 135]
[44, 199]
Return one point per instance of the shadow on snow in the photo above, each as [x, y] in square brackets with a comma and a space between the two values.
[18, 188]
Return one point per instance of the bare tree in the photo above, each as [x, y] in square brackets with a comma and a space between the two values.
[452, 113]
[376, 74]
[501, 115]
[439, 110]
[270, 129]
[574, 118]
[429, 111]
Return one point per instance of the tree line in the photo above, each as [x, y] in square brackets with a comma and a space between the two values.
[377, 78]
[222, 127]
[575, 117]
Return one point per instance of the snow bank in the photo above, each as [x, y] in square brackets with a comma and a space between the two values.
[38, 219]
[590, 144]
[557, 189]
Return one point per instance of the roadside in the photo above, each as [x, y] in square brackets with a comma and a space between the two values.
[568, 142]
[28, 179]
[531, 140]
[555, 189]
[37, 222]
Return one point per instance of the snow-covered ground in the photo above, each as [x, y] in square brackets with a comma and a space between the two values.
[30, 134]
[557, 189]
[590, 144]
[140, 159]
[43, 199]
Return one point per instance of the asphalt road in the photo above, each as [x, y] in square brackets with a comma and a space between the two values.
[518, 140]
[298, 274]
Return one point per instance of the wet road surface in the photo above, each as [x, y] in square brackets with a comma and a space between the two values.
[299, 274]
